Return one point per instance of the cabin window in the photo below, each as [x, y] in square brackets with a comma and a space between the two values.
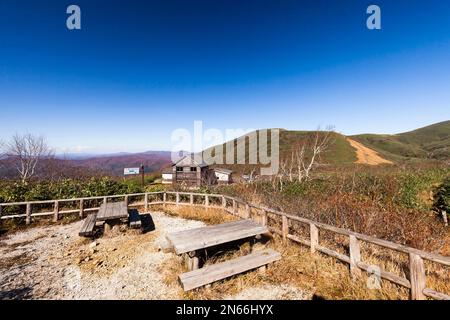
[193, 169]
[179, 169]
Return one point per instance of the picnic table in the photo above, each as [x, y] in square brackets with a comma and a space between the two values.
[190, 242]
[111, 214]
[193, 240]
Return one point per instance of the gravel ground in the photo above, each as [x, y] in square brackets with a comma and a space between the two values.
[55, 263]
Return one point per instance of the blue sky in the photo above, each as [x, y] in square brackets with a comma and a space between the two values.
[139, 70]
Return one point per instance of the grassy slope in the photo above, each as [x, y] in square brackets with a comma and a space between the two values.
[339, 152]
[432, 142]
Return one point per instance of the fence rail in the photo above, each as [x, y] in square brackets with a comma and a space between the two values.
[416, 282]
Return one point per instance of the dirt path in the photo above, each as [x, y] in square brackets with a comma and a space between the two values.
[55, 263]
[366, 155]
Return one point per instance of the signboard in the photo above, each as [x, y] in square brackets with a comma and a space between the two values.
[128, 171]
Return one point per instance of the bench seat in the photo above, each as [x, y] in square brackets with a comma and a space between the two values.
[206, 275]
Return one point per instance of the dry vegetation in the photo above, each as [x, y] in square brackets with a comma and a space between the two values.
[391, 203]
[316, 275]
[209, 216]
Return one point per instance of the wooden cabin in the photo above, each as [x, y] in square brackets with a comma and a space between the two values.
[191, 172]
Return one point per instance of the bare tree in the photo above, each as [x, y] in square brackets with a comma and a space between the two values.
[27, 151]
[305, 156]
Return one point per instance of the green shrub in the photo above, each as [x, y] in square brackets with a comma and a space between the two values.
[442, 196]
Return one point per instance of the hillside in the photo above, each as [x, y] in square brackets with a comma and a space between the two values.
[114, 164]
[339, 152]
[431, 142]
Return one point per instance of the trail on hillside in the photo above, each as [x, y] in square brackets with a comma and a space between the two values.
[366, 155]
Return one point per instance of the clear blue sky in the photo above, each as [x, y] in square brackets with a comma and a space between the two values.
[140, 69]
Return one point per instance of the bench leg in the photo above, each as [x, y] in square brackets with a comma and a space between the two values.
[192, 261]
[107, 227]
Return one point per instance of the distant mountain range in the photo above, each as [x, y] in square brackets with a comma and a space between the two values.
[428, 143]
[431, 143]
[114, 163]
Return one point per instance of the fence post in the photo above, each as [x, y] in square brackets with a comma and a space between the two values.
[28, 218]
[178, 198]
[224, 203]
[206, 201]
[355, 257]
[126, 201]
[164, 199]
[56, 212]
[234, 207]
[417, 277]
[264, 218]
[284, 227]
[146, 202]
[1, 210]
[247, 211]
[191, 199]
[105, 200]
[314, 236]
[81, 208]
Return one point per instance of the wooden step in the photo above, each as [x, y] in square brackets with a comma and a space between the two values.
[200, 277]
[87, 230]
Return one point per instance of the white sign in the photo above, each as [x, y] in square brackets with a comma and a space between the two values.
[128, 171]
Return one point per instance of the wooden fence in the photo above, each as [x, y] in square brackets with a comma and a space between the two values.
[416, 282]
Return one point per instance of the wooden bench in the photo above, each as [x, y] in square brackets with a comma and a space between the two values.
[87, 230]
[134, 219]
[200, 277]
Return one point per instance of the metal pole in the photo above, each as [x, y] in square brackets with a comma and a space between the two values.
[142, 174]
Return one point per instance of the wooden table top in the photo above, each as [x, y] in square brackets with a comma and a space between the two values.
[112, 211]
[201, 238]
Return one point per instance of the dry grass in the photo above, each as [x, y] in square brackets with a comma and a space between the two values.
[321, 277]
[210, 216]
[324, 277]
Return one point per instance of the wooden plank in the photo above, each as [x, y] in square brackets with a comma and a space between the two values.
[28, 214]
[220, 271]
[87, 229]
[264, 218]
[314, 237]
[56, 211]
[435, 295]
[81, 208]
[285, 227]
[200, 234]
[387, 275]
[355, 257]
[332, 253]
[417, 277]
[200, 238]
[112, 211]
[212, 231]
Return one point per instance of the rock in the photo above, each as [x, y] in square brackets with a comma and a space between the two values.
[93, 244]
[87, 259]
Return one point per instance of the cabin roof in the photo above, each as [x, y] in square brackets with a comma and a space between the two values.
[222, 170]
[190, 161]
